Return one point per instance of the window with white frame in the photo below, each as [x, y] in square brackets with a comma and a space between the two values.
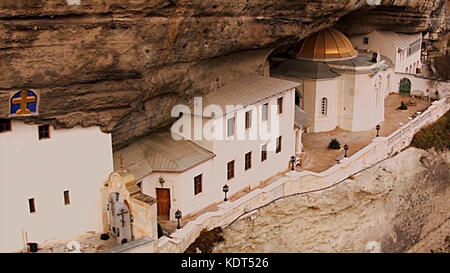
[324, 107]
[264, 153]
[198, 184]
[280, 105]
[248, 119]
[230, 127]
[265, 112]
[414, 47]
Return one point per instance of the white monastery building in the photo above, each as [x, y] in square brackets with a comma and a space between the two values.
[58, 183]
[189, 174]
[341, 86]
[50, 182]
[403, 50]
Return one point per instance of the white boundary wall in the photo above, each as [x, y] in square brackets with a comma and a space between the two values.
[298, 182]
[426, 85]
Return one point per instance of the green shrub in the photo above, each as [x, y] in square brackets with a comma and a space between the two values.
[437, 135]
[334, 144]
[403, 106]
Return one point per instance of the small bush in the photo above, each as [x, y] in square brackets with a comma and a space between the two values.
[436, 135]
[334, 144]
[403, 106]
[206, 241]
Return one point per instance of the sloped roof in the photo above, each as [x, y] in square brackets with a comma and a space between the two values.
[136, 193]
[160, 153]
[403, 41]
[247, 91]
[364, 59]
[304, 69]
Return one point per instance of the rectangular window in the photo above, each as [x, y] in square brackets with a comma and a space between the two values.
[264, 152]
[248, 160]
[414, 47]
[230, 170]
[66, 198]
[44, 131]
[198, 184]
[279, 145]
[265, 112]
[366, 40]
[280, 105]
[230, 127]
[32, 205]
[248, 119]
[5, 125]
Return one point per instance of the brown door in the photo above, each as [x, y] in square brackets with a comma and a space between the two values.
[163, 201]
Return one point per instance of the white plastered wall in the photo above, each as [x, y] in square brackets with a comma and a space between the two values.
[388, 48]
[214, 171]
[77, 159]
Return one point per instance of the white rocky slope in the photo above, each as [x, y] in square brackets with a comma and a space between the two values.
[402, 204]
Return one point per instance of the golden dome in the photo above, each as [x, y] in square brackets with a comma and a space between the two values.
[325, 45]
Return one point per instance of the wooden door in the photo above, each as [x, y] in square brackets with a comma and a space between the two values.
[163, 202]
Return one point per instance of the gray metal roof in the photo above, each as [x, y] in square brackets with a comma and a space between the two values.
[403, 41]
[247, 91]
[363, 59]
[160, 153]
[304, 69]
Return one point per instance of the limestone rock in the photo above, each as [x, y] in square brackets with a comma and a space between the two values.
[123, 64]
[398, 205]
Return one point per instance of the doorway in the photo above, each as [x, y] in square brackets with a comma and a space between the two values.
[405, 87]
[163, 203]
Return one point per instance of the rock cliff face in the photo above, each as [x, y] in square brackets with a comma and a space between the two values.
[401, 204]
[123, 64]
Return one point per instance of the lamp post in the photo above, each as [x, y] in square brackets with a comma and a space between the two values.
[161, 181]
[345, 149]
[225, 190]
[437, 95]
[378, 130]
[293, 163]
[178, 215]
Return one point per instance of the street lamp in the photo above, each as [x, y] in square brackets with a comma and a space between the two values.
[378, 130]
[178, 215]
[437, 95]
[225, 190]
[345, 149]
[293, 163]
[161, 181]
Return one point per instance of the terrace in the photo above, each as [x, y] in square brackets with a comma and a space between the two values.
[318, 158]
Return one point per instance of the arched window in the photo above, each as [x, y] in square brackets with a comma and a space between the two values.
[407, 70]
[323, 107]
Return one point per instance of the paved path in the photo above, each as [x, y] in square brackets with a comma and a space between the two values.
[318, 157]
